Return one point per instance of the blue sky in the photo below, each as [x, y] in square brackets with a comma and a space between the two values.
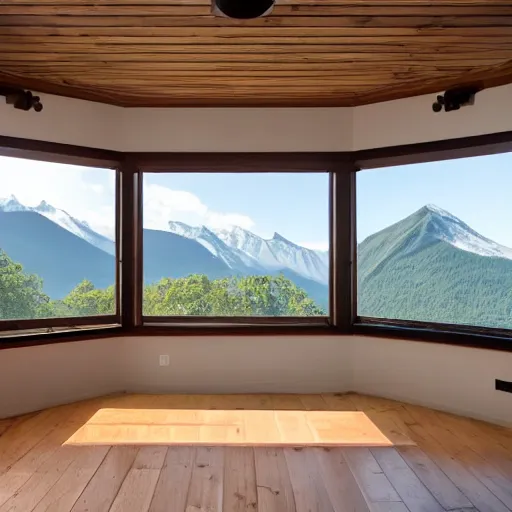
[87, 194]
[294, 205]
[478, 190]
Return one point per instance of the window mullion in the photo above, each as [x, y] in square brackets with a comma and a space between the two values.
[131, 243]
[343, 261]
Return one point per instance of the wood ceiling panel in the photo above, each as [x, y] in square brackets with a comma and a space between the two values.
[307, 52]
[358, 22]
[466, 59]
[376, 3]
[44, 36]
[167, 10]
[464, 34]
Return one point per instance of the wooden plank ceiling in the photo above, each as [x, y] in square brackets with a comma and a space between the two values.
[306, 53]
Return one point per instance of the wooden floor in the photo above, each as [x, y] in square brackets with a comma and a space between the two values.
[267, 453]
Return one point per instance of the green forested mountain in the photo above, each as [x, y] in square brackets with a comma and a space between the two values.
[58, 257]
[48, 271]
[413, 270]
[170, 255]
[62, 260]
[428, 267]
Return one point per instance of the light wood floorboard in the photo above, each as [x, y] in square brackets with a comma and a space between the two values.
[250, 453]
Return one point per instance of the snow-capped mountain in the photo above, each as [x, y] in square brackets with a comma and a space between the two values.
[233, 258]
[63, 219]
[240, 249]
[278, 252]
[432, 267]
[11, 204]
[238, 246]
[454, 231]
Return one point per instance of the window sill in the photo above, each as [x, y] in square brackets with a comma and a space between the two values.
[233, 330]
[430, 333]
[17, 339]
[465, 338]
[39, 338]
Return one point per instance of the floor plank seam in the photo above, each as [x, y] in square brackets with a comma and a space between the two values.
[193, 463]
[90, 479]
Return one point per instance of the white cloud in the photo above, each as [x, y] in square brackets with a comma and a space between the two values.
[162, 204]
[97, 189]
[89, 195]
[100, 220]
[85, 193]
[228, 220]
[316, 246]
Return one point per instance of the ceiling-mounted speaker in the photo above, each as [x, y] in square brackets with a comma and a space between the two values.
[243, 9]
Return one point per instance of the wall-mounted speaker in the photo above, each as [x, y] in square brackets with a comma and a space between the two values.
[21, 99]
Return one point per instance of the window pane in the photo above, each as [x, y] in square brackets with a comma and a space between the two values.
[236, 244]
[434, 242]
[57, 249]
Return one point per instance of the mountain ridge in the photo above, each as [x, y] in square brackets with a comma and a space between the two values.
[63, 259]
[432, 267]
[63, 219]
[257, 252]
[452, 230]
[239, 248]
[429, 266]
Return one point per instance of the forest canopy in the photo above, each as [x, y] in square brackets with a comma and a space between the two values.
[22, 297]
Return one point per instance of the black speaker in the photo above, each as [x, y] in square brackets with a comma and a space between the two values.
[243, 9]
[21, 99]
[455, 98]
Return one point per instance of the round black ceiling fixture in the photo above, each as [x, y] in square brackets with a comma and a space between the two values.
[244, 9]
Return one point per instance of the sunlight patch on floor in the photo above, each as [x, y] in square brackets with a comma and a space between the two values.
[230, 428]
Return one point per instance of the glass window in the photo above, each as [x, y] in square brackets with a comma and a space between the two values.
[236, 244]
[57, 248]
[434, 242]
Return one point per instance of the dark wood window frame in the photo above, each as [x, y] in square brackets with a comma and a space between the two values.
[337, 165]
[453, 334]
[342, 318]
[32, 330]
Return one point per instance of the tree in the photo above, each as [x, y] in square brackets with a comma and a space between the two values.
[21, 297]
[85, 300]
[274, 296]
[21, 294]
[178, 297]
[196, 295]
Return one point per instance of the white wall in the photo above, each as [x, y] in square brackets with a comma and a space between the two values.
[235, 129]
[84, 123]
[63, 120]
[236, 364]
[445, 377]
[391, 123]
[456, 379]
[412, 120]
[33, 378]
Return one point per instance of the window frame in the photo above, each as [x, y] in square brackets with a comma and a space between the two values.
[436, 332]
[342, 318]
[336, 165]
[71, 155]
